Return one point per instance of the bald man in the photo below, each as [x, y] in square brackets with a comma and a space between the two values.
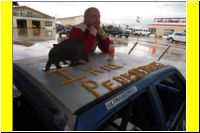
[90, 33]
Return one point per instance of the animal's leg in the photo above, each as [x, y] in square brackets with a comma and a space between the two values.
[48, 65]
[73, 63]
[57, 65]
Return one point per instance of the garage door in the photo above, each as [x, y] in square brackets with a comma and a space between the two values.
[21, 23]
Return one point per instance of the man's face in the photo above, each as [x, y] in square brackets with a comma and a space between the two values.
[93, 18]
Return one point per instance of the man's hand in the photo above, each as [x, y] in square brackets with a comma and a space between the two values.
[92, 30]
[97, 25]
[102, 33]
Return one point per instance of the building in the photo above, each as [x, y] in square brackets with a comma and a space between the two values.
[165, 26]
[70, 20]
[26, 17]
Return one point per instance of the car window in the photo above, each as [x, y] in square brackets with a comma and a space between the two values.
[137, 115]
[179, 34]
[171, 91]
[182, 34]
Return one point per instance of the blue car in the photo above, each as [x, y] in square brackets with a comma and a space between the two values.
[127, 94]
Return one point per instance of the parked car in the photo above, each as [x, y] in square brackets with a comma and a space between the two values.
[142, 32]
[63, 28]
[62, 32]
[148, 97]
[107, 28]
[129, 30]
[59, 27]
[118, 31]
[177, 36]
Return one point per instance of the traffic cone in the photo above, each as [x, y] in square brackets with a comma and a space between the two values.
[177, 45]
[154, 48]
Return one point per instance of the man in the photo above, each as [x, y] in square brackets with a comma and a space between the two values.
[90, 33]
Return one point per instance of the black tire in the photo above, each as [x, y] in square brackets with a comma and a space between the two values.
[127, 36]
[171, 40]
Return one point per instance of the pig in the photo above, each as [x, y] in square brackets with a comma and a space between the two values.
[70, 49]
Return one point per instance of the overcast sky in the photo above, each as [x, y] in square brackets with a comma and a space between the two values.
[118, 12]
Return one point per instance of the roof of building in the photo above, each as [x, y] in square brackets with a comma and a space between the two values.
[172, 18]
[71, 17]
[26, 7]
[168, 24]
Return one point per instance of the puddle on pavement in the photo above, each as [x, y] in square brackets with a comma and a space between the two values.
[28, 36]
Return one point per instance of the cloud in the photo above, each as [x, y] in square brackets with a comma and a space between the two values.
[125, 12]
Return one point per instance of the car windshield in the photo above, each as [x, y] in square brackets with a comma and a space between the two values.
[118, 28]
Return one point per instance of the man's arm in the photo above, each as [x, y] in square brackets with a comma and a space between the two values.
[105, 41]
[78, 33]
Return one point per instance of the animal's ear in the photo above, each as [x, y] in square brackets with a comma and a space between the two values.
[54, 45]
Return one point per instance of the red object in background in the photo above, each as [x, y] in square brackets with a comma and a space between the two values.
[154, 47]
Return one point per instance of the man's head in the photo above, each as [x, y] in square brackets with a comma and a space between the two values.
[92, 17]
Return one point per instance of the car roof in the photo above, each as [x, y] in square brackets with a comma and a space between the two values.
[180, 32]
[73, 96]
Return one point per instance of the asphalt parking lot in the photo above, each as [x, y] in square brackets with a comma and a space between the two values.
[153, 48]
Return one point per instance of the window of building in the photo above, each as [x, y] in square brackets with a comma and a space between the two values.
[168, 31]
[29, 13]
[133, 117]
[152, 30]
[18, 13]
[48, 23]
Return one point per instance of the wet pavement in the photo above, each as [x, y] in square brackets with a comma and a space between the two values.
[28, 37]
[37, 42]
[175, 56]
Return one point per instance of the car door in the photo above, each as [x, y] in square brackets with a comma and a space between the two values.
[179, 37]
[133, 116]
[182, 37]
[172, 97]
[176, 37]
